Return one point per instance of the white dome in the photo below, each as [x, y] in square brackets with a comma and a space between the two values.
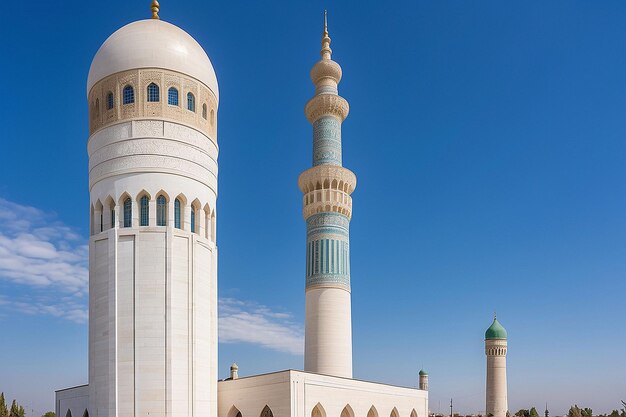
[152, 43]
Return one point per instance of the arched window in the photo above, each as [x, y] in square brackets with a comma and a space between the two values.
[372, 412]
[86, 413]
[267, 412]
[177, 213]
[112, 216]
[347, 411]
[318, 411]
[153, 92]
[193, 219]
[161, 211]
[212, 117]
[191, 102]
[172, 96]
[144, 210]
[128, 212]
[204, 111]
[110, 101]
[394, 413]
[128, 95]
[69, 413]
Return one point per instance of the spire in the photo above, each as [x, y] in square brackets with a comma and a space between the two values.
[326, 51]
[155, 9]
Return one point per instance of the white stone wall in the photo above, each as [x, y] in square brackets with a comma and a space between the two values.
[75, 400]
[328, 332]
[153, 289]
[296, 394]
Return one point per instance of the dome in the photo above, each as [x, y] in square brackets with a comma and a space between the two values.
[423, 372]
[152, 43]
[495, 331]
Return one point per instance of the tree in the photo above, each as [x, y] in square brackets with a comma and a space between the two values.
[49, 414]
[614, 413]
[21, 412]
[15, 411]
[574, 411]
[525, 413]
[533, 412]
[586, 412]
[4, 412]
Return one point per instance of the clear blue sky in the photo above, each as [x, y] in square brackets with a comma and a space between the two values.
[489, 142]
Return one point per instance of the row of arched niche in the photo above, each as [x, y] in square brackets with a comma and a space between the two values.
[161, 211]
[318, 411]
[69, 413]
[153, 95]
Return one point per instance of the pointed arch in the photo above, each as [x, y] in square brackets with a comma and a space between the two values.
[99, 226]
[153, 92]
[372, 412]
[347, 411]
[69, 413]
[143, 201]
[162, 202]
[234, 412]
[194, 220]
[179, 211]
[394, 413]
[109, 212]
[126, 210]
[207, 221]
[267, 412]
[86, 413]
[318, 411]
[413, 413]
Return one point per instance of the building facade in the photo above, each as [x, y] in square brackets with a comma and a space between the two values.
[153, 99]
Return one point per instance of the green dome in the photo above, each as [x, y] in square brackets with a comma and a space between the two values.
[423, 373]
[495, 331]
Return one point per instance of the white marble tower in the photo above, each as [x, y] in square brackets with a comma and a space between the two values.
[327, 210]
[153, 99]
[495, 349]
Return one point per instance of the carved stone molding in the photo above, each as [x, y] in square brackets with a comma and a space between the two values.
[326, 104]
[319, 176]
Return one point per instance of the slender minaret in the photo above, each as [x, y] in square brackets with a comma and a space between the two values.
[327, 210]
[495, 349]
[423, 385]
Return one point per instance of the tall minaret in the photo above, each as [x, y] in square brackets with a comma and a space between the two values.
[327, 210]
[495, 349]
[423, 380]
[153, 101]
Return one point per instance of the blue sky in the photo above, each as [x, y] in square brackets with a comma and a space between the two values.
[489, 142]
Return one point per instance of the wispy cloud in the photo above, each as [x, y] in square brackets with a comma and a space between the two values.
[38, 250]
[48, 262]
[248, 322]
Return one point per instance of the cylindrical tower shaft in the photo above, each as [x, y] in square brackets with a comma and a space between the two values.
[327, 210]
[496, 390]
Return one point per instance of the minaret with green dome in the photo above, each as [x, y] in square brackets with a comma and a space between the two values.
[495, 349]
[423, 384]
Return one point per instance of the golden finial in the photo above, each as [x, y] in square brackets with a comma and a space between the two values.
[326, 51]
[155, 9]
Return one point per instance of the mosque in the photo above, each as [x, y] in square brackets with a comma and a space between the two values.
[153, 102]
